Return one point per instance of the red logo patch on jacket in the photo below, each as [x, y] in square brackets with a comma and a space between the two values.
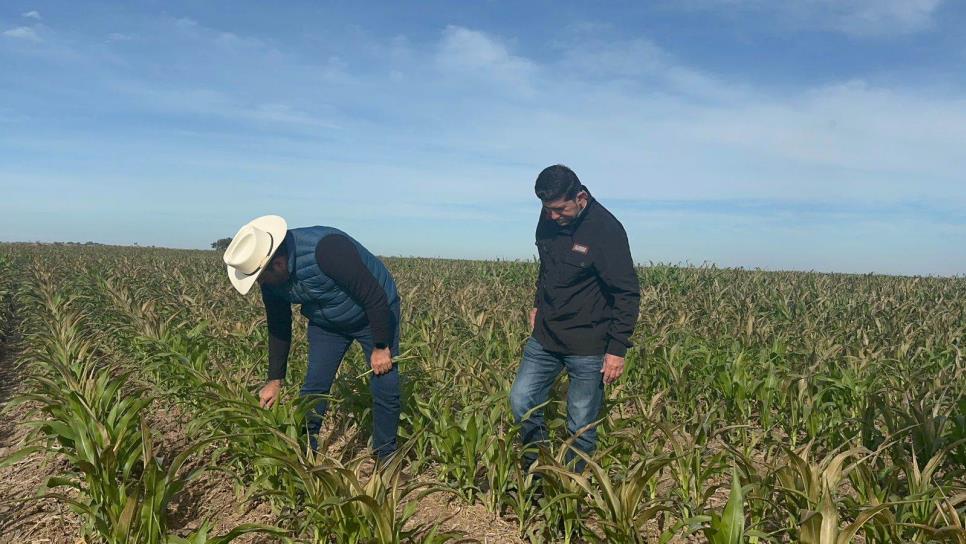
[582, 249]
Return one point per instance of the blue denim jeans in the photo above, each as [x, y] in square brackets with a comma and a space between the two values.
[536, 375]
[326, 350]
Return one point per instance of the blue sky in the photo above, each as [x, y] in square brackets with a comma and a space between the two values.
[807, 134]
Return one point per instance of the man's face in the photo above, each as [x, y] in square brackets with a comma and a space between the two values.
[275, 273]
[564, 211]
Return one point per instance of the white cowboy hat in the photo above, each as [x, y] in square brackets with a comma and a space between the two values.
[250, 250]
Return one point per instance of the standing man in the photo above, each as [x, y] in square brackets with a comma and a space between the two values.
[346, 293]
[584, 311]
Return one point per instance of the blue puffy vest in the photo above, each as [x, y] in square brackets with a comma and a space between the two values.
[323, 302]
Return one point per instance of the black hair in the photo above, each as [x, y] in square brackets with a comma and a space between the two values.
[556, 182]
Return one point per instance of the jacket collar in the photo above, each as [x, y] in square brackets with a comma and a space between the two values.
[572, 227]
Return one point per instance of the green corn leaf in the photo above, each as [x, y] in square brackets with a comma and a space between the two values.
[731, 524]
[19, 455]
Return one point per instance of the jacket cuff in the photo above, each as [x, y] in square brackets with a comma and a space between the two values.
[616, 348]
[277, 372]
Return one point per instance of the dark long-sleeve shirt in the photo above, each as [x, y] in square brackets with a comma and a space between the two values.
[337, 258]
[588, 293]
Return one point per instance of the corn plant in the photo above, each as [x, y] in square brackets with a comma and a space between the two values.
[624, 507]
[729, 526]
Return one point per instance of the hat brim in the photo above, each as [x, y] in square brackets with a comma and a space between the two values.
[276, 227]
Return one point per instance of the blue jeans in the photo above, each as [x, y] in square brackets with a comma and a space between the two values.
[326, 350]
[536, 375]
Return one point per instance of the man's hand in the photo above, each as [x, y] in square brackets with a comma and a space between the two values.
[381, 361]
[533, 319]
[612, 369]
[268, 396]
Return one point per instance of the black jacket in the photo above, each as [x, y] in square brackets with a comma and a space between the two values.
[588, 294]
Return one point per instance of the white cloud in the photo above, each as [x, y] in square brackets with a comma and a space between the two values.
[635, 58]
[465, 48]
[33, 14]
[860, 18]
[23, 33]
[867, 140]
[643, 62]
[210, 38]
[186, 23]
[615, 108]
[477, 55]
[231, 40]
[284, 114]
[877, 17]
[210, 103]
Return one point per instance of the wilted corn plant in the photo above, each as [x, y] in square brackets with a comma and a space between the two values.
[623, 508]
[812, 490]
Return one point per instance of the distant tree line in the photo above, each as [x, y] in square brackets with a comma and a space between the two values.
[221, 244]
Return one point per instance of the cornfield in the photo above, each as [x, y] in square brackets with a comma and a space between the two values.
[756, 407]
